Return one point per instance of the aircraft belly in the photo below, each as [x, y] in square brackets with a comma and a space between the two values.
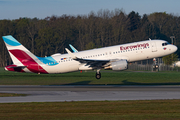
[62, 68]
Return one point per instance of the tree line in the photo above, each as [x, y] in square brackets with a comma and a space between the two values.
[50, 35]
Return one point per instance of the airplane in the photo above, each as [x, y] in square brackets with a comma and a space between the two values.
[112, 57]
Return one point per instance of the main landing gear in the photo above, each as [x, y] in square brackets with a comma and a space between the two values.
[98, 74]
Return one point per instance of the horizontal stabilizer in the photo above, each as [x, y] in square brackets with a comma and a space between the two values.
[17, 67]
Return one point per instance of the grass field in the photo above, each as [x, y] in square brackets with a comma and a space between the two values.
[11, 95]
[88, 78]
[103, 110]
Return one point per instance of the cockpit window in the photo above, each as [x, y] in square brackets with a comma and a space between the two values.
[164, 44]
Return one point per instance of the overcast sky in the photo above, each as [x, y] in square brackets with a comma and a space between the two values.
[14, 9]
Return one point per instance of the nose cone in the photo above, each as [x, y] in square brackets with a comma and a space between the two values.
[175, 48]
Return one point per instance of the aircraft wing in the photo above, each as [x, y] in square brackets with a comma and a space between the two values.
[91, 62]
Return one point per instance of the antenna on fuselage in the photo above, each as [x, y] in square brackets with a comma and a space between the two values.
[150, 39]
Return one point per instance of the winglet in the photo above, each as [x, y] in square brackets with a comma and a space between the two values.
[74, 49]
[71, 54]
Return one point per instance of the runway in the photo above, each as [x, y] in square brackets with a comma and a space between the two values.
[43, 93]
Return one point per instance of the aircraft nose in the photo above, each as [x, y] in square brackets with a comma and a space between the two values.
[175, 48]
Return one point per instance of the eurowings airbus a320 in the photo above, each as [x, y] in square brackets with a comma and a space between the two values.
[113, 57]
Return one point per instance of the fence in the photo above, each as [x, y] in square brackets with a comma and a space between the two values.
[150, 65]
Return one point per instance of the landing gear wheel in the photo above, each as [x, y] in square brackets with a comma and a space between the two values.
[98, 75]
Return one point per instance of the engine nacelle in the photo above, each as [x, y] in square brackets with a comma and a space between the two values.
[119, 65]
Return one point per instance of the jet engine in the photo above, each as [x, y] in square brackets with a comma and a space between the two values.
[118, 65]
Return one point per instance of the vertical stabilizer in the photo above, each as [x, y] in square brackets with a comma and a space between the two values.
[17, 51]
[22, 58]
